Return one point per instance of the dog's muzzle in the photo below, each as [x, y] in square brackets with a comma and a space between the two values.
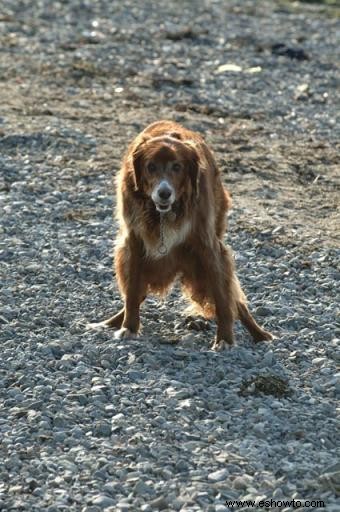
[163, 195]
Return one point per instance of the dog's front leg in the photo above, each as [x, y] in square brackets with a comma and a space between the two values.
[129, 268]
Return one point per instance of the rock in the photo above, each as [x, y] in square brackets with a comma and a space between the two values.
[263, 311]
[159, 503]
[143, 489]
[219, 507]
[291, 52]
[218, 476]
[102, 428]
[242, 482]
[102, 501]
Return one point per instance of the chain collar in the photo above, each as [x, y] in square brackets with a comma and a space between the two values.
[162, 249]
[170, 216]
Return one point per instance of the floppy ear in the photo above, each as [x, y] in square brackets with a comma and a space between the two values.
[137, 161]
[194, 168]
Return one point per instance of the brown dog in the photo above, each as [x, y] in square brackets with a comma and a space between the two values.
[171, 211]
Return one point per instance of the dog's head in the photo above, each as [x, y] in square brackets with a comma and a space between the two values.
[165, 168]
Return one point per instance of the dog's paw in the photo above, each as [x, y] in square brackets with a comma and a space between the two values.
[220, 345]
[124, 333]
[263, 336]
[268, 336]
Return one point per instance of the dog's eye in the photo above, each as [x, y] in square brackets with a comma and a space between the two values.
[176, 167]
[151, 167]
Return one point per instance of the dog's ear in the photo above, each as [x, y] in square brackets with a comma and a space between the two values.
[137, 161]
[194, 167]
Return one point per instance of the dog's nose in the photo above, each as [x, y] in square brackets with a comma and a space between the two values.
[164, 192]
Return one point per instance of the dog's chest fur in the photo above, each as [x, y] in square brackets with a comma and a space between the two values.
[173, 235]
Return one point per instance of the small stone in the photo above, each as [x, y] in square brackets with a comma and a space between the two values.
[218, 476]
[59, 437]
[143, 489]
[60, 420]
[178, 394]
[159, 503]
[77, 432]
[123, 506]
[135, 375]
[242, 482]
[258, 428]
[319, 360]
[278, 493]
[146, 508]
[82, 399]
[268, 358]
[182, 465]
[219, 507]
[103, 501]
[118, 418]
[100, 475]
[263, 311]
[102, 429]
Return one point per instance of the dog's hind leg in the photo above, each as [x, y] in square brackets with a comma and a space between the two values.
[257, 333]
[114, 322]
[216, 266]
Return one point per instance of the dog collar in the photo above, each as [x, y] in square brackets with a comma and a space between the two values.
[162, 249]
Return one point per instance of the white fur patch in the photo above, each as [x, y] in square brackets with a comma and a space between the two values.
[124, 332]
[173, 236]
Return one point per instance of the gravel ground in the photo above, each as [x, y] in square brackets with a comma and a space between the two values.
[163, 423]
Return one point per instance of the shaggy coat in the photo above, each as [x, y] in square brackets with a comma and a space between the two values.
[169, 168]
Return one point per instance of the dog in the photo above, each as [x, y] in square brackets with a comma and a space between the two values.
[171, 209]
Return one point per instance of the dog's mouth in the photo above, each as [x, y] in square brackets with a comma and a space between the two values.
[163, 207]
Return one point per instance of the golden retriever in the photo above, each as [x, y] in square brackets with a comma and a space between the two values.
[172, 209]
